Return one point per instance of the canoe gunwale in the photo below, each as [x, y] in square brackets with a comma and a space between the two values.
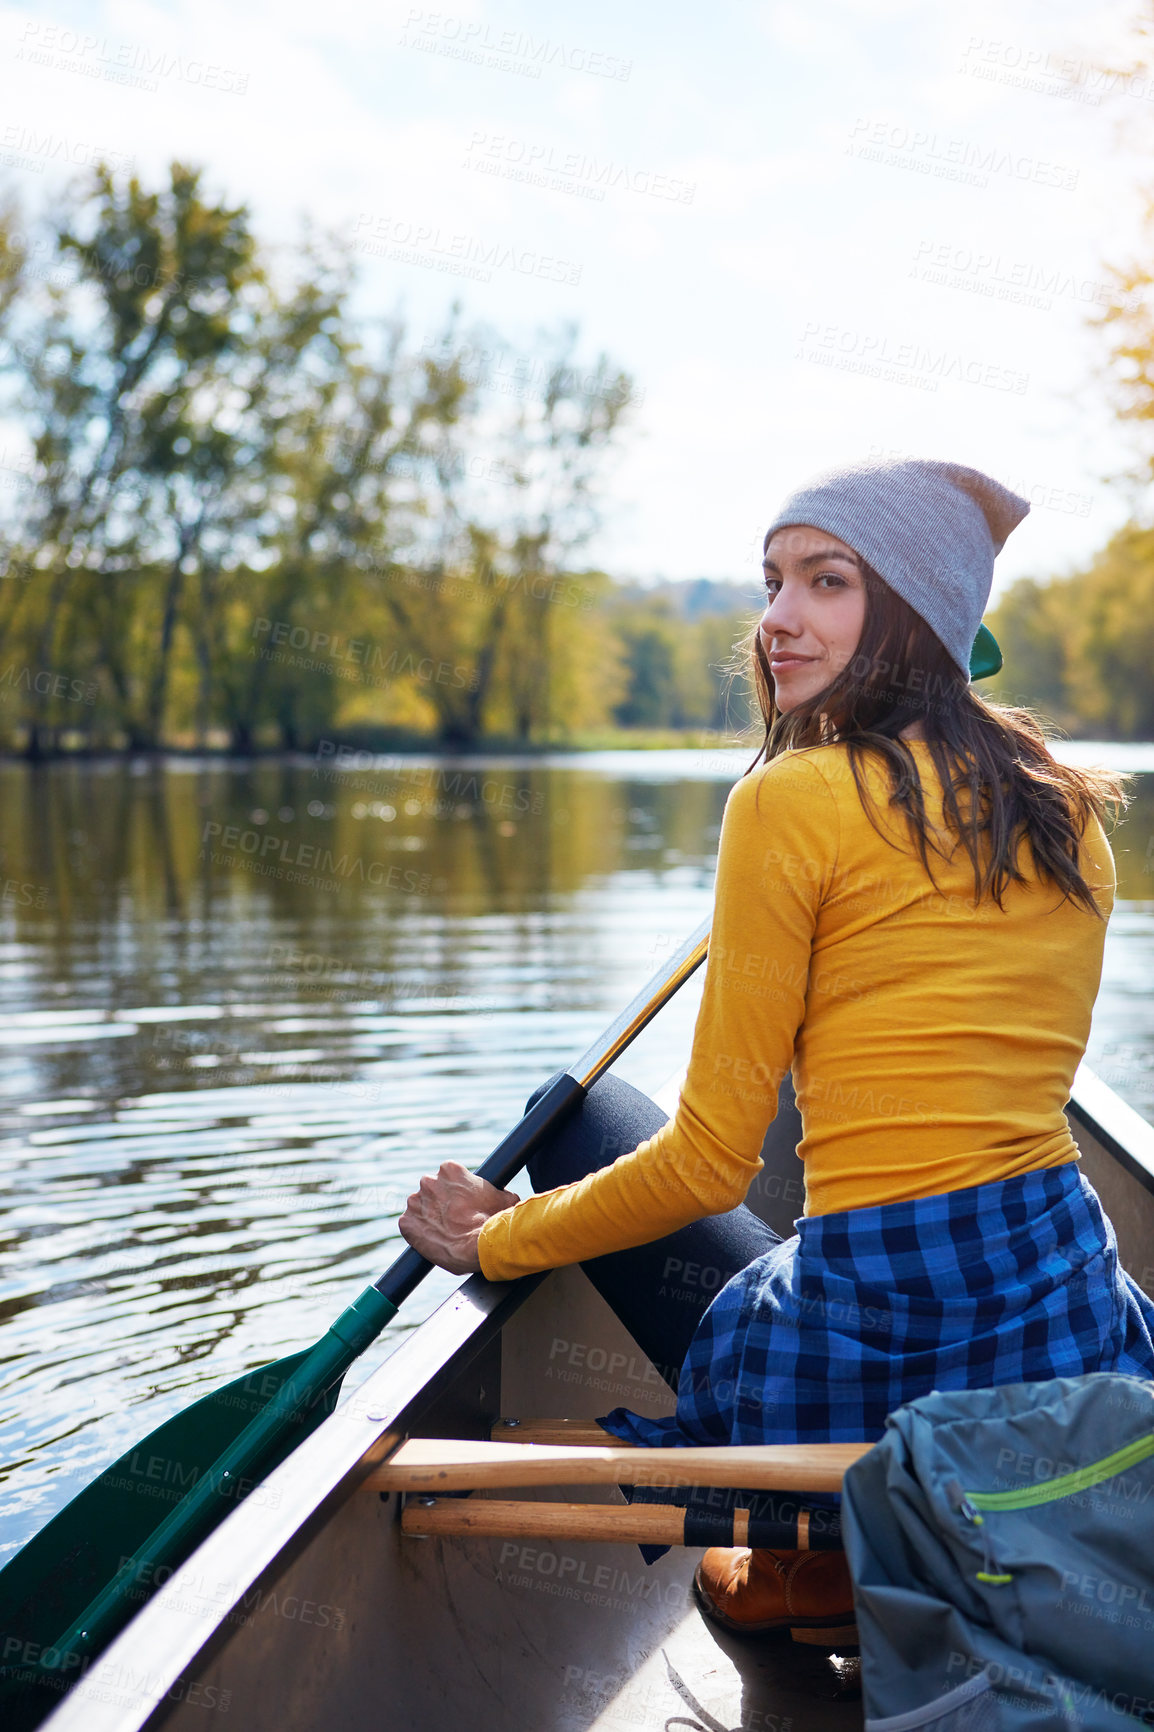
[1121, 1130]
[260, 1540]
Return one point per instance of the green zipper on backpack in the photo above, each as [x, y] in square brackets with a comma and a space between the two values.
[1068, 1483]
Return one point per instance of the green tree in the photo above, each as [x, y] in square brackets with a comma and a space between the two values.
[337, 441]
[513, 497]
[1032, 625]
[1111, 663]
[223, 458]
[13, 257]
[1081, 649]
[649, 643]
[150, 306]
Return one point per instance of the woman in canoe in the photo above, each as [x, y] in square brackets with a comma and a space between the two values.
[910, 911]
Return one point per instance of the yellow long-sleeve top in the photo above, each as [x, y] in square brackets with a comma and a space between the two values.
[933, 1044]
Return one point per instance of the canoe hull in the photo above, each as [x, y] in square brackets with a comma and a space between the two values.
[312, 1610]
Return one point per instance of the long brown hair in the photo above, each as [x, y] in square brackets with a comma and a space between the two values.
[1000, 781]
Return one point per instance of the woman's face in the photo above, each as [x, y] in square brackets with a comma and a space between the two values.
[814, 614]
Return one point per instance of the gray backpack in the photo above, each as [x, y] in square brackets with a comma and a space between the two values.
[1001, 1543]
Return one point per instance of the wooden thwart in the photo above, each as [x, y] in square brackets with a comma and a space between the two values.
[433, 1464]
[639, 1524]
[643, 1524]
[570, 1452]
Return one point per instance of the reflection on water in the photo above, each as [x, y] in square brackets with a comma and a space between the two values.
[242, 1009]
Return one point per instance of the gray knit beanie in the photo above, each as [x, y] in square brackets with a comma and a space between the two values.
[931, 530]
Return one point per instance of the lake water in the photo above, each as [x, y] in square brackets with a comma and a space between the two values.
[242, 1009]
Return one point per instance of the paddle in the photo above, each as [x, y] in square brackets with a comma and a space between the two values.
[77, 1583]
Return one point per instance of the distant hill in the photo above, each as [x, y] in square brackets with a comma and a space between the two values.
[694, 597]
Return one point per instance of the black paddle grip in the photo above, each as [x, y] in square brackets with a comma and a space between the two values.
[501, 1168]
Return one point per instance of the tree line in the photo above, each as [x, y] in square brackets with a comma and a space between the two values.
[239, 513]
[242, 514]
[1080, 649]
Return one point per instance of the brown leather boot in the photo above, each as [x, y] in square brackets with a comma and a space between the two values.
[809, 1593]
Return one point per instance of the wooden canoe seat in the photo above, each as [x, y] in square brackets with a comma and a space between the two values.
[567, 1452]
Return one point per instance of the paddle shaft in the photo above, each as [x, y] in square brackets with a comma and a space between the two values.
[353, 1331]
[560, 1099]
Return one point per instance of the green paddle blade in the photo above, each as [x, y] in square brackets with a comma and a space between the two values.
[48, 1584]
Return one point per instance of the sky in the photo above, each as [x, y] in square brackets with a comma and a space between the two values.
[810, 232]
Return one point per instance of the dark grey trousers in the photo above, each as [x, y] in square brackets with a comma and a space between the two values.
[661, 1291]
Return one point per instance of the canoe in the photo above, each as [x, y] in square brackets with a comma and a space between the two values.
[309, 1609]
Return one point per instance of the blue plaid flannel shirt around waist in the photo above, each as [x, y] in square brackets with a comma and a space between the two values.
[821, 1338]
